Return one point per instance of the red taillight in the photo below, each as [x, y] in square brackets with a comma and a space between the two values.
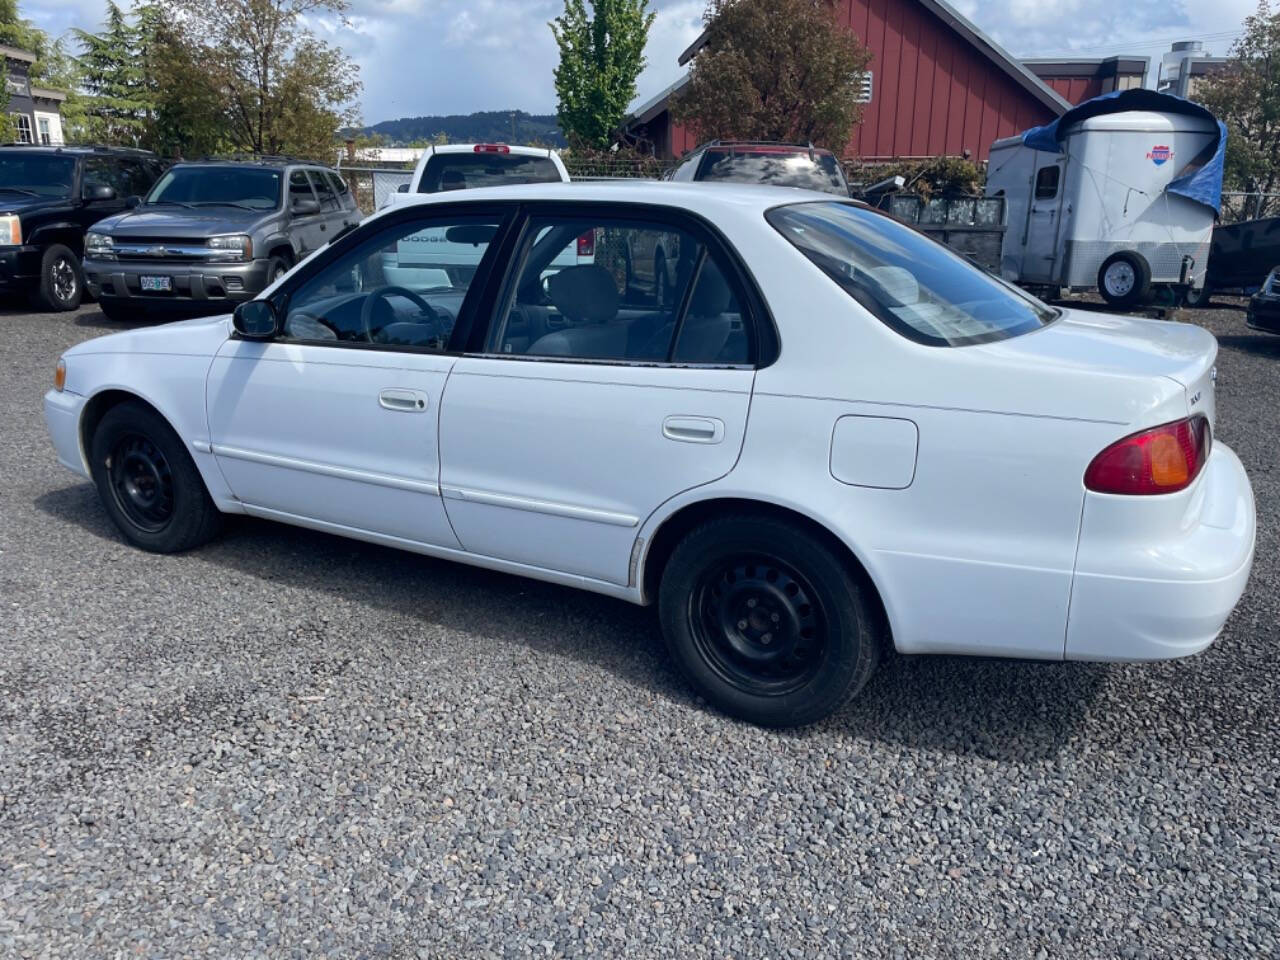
[587, 244]
[1164, 459]
[492, 148]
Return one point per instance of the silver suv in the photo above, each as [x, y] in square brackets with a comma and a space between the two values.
[214, 233]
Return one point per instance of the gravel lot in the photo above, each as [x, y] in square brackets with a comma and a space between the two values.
[288, 744]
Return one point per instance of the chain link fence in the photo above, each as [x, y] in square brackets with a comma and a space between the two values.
[372, 185]
[1238, 206]
[605, 168]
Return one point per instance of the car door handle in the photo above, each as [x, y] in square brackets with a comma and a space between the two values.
[403, 401]
[693, 429]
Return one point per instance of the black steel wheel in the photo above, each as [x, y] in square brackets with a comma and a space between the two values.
[148, 483]
[767, 620]
[141, 482]
[758, 623]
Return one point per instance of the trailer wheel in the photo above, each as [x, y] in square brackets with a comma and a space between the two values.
[1198, 298]
[1124, 280]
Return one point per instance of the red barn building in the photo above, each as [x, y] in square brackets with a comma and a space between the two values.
[1078, 80]
[936, 85]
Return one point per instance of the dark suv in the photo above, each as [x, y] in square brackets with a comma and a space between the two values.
[214, 233]
[49, 196]
[776, 164]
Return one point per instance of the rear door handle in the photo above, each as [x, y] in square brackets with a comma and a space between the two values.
[403, 401]
[693, 429]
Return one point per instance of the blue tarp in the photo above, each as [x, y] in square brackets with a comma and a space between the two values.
[1200, 180]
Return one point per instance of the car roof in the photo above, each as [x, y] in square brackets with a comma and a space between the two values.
[512, 148]
[702, 198]
[77, 151]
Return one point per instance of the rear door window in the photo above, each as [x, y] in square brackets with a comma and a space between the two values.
[1047, 183]
[462, 171]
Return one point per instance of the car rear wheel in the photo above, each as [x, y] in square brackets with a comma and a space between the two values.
[1124, 280]
[148, 482]
[766, 621]
[61, 284]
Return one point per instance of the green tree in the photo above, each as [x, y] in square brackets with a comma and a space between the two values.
[117, 98]
[601, 56]
[775, 70]
[279, 88]
[1246, 97]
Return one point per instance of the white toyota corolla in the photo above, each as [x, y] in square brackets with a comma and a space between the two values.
[821, 434]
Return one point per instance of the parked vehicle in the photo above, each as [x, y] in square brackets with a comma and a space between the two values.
[1119, 194]
[1240, 256]
[214, 233]
[1264, 306]
[928, 461]
[49, 196]
[773, 164]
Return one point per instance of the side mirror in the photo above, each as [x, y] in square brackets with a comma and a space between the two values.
[255, 320]
[133, 201]
[304, 208]
[98, 191]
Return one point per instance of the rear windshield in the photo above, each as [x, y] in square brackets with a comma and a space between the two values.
[256, 188]
[36, 174]
[911, 283]
[461, 171]
[777, 168]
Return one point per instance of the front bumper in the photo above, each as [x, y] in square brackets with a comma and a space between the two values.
[1157, 577]
[196, 285]
[62, 417]
[19, 268]
[1264, 314]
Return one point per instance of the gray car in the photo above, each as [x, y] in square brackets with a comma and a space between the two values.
[212, 234]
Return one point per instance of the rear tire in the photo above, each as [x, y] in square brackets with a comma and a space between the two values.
[1124, 280]
[61, 284]
[766, 621]
[148, 482]
[1198, 299]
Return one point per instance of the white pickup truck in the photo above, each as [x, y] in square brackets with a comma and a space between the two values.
[426, 260]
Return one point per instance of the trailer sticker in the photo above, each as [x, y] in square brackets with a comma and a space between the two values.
[1159, 154]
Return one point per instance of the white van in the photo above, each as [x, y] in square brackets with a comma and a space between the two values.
[1120, 194]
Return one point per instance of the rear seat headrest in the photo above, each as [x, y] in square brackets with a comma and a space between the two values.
[585, 292]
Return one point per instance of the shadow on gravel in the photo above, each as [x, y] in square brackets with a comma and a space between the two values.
[998, 709]
[1262, 344]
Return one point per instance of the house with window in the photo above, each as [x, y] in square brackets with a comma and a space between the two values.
[936, 85]
[36, 111]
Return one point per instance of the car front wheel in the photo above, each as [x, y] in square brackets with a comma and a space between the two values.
[766, 620]
[148, 482]
[61, 285]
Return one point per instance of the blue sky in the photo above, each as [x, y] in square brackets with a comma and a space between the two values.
[421, 57]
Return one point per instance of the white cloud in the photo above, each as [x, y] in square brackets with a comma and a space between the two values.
[422, 57]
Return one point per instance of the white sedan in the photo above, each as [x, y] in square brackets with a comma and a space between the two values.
[832, 434]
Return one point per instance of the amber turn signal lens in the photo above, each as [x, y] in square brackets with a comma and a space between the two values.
[60, 376]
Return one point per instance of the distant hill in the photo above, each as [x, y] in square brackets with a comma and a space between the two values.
[484, 127]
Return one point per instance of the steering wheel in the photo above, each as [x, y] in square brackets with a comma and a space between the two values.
[382, 293]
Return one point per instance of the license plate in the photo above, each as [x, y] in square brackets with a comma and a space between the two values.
[158, 284]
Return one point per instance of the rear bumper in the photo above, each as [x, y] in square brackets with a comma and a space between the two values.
[196, 286]
[1157, 577]
[62, 417]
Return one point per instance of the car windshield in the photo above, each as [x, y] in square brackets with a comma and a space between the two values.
[38, 174]
[776, 167]
[461, 171]
[254, 187]
[916, 286]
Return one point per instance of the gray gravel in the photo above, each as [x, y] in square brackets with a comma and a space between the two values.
[292, 745]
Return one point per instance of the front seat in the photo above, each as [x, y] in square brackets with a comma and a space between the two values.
[587, 298]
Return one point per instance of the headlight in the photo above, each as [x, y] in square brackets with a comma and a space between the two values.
[10, 230]
[235, 247]
[99, 246]
[60, 375]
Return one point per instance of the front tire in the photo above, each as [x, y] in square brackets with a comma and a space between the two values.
[766, 621]
[1124, 280]
[61, 284]
[148, 482]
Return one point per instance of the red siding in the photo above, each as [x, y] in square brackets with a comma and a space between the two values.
[1075, 89]
[933, 93]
